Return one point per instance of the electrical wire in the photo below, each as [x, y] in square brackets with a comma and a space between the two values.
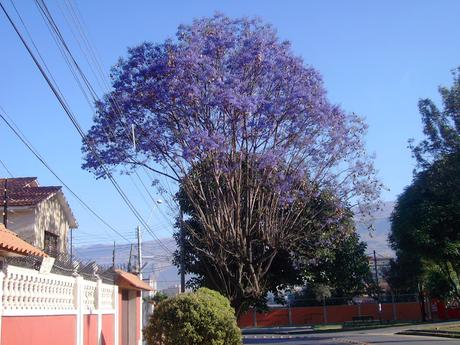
[75, 123]
[72, 61]
[6, 168]
[47, 166]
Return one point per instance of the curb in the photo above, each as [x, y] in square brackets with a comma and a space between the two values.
[285, 331]
[431, 333]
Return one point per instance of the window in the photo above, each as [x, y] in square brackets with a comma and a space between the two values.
[51, 243]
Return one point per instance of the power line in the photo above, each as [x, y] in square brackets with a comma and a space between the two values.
[54, 27]
[74, 15]
[42, 160]
[75, 123]
[90, 54]
[6, 168]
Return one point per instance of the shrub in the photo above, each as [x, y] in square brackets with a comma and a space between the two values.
[204, 317]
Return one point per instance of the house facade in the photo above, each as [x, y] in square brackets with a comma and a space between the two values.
[38, 214]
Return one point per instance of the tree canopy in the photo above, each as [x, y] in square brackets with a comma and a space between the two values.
[427, 215]
[345, 270]
[229, 112]
[426, 219]
[441, 127]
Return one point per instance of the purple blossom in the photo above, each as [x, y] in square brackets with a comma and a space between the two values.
[229, 88]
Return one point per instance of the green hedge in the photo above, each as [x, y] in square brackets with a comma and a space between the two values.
[204, 317]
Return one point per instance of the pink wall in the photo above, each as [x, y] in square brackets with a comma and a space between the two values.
[138, 320]
[39, 330]
[120, 315]
[107, 337]
[90, 330]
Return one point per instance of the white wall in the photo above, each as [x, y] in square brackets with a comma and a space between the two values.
[51, 217]
[22, 222]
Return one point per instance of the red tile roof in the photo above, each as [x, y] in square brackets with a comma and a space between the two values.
[11, 243]
[25, 191]
[131, 281]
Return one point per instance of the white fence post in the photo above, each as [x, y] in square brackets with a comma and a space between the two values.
[141, 305]
[79, 305]
[99, 310]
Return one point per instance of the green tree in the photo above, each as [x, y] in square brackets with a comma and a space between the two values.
[426, 219]
[405, 274]
[441, 127]
[437, 284]
[158, 297]
[346, 270]
[343, 271]
[202, 317]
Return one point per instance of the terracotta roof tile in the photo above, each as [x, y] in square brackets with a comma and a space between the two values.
[129, 280]
[10, 242]
[25, 191]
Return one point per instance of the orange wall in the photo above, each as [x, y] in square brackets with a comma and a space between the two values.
[107, 337]
[89, 330]
[335, 314]
[39, 330]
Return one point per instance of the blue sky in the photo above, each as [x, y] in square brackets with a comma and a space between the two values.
[377, 60]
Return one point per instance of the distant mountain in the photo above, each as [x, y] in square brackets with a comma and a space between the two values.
[157, 256]
[376, 236]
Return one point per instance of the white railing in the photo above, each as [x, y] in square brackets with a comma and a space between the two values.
[28, 292]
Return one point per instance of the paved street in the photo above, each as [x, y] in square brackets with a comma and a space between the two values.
[377, 336]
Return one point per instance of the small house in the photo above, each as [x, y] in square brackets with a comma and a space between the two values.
[38, 214]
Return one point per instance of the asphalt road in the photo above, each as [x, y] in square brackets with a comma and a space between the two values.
[385, 336]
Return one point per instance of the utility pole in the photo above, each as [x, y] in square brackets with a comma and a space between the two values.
[375, 269]
[5, 204]
[378, 286]
[182, 251]
[71, 245]
[113, 256]
[139, 251]
[130, 255]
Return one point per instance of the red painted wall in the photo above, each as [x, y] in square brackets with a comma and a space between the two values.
[89, 330]
[107, 337]
[335, 314]
[370, 309]
[273, 318]
[307, 315]
[39, 330]
[408, 311]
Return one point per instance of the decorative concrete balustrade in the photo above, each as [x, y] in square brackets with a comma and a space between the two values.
[27, 292]
[90, 295]
[78, 304]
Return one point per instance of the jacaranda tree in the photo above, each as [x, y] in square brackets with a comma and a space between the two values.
[229, 111]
